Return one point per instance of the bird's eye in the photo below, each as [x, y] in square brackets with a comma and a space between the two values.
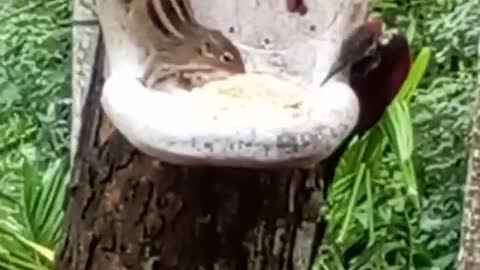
[227, 57]
[370, 40]
[370, 45]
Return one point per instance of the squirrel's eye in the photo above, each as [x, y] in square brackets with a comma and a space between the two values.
[227, 57]
[207, 49]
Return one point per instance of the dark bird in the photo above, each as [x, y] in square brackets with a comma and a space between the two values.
[376, 76]
[360, 45]
[377, 66]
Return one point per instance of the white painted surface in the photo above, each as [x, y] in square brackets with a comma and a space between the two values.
[300, 50]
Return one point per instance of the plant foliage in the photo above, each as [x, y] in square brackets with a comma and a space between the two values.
[34, 125]
[406, 236]
[375, 186]
[33, 224]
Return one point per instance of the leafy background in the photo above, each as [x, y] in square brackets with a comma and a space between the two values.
[417, 195]
[407, 236]
[34, 127]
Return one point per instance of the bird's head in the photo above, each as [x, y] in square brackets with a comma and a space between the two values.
[362, 43]
[377, 62]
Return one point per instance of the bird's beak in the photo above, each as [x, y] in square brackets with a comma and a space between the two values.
[336, 67]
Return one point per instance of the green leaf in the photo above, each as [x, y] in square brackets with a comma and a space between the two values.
[45, 252]
[415, 75]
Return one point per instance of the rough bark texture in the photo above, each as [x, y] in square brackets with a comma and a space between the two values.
[469, 255]
[129, 211]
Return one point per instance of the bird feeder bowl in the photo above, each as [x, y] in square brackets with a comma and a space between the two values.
[263, 118]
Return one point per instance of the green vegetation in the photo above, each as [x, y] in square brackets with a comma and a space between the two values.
[397, 199]
[34, 127]
[399, 234]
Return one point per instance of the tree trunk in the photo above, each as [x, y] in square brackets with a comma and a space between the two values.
[469, 258]
[127, 210]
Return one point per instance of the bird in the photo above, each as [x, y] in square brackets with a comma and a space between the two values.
[377, 64]
[179, 48]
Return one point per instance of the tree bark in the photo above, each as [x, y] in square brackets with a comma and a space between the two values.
[127, 210]
[469, 258]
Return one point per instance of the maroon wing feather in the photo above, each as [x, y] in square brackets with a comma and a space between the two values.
[380, 86]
